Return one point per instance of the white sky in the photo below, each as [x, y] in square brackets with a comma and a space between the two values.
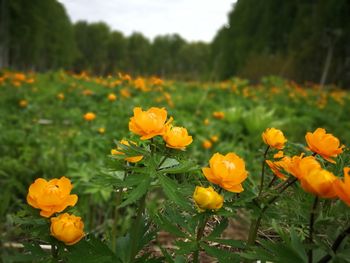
[193, 19]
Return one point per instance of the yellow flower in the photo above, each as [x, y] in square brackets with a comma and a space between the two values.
[207, 144]
[214, 138]
[60, 96]
[228, 171]
[112, 97]
[206, 121]
[67, 228]
[101, 130]
[325, 144]
[133, 159]
[278, 155]
[148, 123]
[342, 187]
[125, 93]
[218, 115]
[274, 138]
[177, 137]
[51, 196]
[90, 116]
[207, 198]
[319, 182]
[23, 103]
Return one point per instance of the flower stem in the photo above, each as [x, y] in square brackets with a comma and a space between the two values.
[336, 245]
[255, 224]
[263, 171]
[311, 227]
[200, 231]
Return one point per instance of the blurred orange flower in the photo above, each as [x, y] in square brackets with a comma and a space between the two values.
[112, 97]
[23, 103]
[51, 196]
[228, 171]
[218, 115]
[207, 144]
[274, 138]
[325, 144]
[319, 182]
[300, 166]
[90, 116]
[278, 166]
[342, 187]
[60, 96]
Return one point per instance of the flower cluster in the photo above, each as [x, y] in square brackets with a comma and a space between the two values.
[53, 197]
[313, 177]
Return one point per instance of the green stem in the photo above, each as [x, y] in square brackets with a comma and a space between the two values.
[118, 198]
[255, 224]
[136, 228]
[263, 171]
[200, 231]
[311, 228]
[336, 245]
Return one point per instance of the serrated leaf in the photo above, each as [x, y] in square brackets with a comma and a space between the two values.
[181, 167]
[219, 228]
[224, 256]
[137, 192]
[172, 191]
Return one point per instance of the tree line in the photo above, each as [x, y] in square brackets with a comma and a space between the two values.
[304, 40]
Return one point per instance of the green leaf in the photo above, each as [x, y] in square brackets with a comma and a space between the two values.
[172, 190]
[137, 192]
[219, 228]
[224, 256]
[181, 167]
[165, 224]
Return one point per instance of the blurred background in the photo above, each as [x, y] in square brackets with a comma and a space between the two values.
[301, 40]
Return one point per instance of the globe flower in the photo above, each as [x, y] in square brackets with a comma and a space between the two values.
[51, 196]
[67, 228]
[148, 123]
[342, 187]
[207, 144]
[227, 171]
[207, 198]
[177, 138]
[325, 144]
[60, 96]
[23, 103]
[112, 97]
[214, 138]
[218, 115]
[278, 166]
[133, 159]
[300, 166]
[319, 182]
[274, 138]
[90, 116]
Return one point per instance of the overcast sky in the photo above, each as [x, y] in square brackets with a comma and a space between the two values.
[193, 19]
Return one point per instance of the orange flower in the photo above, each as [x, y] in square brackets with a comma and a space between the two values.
[148, 123]
[90, 116]
[274, 138]
[23, 103]
[319, 182]
[125, 93]
[218, 115]
[278, 155]
[112, 97]
[133, 159]
[342, 187]
[300, 166]
[214, 138]
[278, 166]
[177, 137]
[207, 198]
[51, 196]
[207, 144]
[101, 130]
[67, 228]
[228, 171]
[60, 96]
[325, 144]
[206, 122]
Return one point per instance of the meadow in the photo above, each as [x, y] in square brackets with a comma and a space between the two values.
[62, 124]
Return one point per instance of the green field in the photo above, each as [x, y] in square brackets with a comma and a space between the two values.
[44, 134]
